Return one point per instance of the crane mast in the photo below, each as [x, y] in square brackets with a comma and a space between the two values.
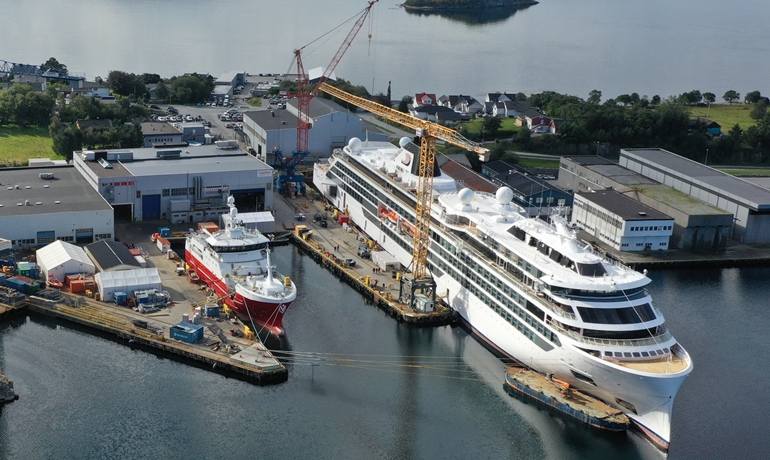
[305, 93]
[428, 132]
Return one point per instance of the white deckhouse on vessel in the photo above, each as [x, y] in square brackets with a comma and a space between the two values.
[526, 287]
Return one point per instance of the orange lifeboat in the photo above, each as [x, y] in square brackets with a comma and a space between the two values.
[407, 228]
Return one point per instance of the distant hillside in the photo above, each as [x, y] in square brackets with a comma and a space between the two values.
[443, 5]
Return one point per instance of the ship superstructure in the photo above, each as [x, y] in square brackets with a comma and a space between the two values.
[527, 287]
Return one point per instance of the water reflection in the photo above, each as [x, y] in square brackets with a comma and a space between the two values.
[474, 17]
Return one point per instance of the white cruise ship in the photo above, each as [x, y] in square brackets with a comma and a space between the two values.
[525, 287]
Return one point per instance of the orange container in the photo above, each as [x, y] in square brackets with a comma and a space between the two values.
[77, 286]
[89, 284]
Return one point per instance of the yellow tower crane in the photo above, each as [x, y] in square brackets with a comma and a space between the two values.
[428, 132]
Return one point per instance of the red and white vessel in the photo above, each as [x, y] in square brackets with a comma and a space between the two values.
[235, 263]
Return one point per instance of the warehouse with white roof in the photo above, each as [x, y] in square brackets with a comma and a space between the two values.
[179, 184]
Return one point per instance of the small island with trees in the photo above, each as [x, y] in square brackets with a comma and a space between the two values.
[455, 5]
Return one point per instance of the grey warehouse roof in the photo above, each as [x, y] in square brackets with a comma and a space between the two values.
[73, 193]
[108, 254]
[757, 198]
[223, 163]
[627, 208]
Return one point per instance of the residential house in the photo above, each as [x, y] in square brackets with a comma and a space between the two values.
[464, 105]
[510, 109]
[424, 99]
[500, 97]
[712, 127]
[535, 121]
[436, 113]
[557, 125]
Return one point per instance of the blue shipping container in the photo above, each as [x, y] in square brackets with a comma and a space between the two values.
[17, 284]
[165, 232]
[212, 311]
[186, 332]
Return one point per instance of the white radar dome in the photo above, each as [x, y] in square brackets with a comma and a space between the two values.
[354, 145]
[466, 195]
[403, 142]
[231, 200]
[504, 195]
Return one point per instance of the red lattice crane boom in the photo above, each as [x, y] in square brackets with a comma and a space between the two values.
[305, 94]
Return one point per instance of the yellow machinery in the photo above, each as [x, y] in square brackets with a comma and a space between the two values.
[429, 132]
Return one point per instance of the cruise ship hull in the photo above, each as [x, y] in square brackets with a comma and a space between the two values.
[265, 313]
[647, 398]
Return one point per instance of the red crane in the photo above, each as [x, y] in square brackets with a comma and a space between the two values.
[306, 94]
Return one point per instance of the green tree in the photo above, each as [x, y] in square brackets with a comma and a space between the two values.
[624, 99]
[65, 139]
[23, 106]
[162, 92]
[403, 105]
[731, 96]
[521, 96]
[492, 124]
[753, 97]
[595, 97]
[121, 83]
[736, 131]
[709, 97]
[52, 63]
[758, 111]
[149, 78]
[655, 100]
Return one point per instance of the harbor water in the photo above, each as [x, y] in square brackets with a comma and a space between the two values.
[403, 392]
[618, 47]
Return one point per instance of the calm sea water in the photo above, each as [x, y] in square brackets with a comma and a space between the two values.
[88, 397]
[649, 47]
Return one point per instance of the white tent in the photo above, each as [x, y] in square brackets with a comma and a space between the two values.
[61, 259]
[127, 281]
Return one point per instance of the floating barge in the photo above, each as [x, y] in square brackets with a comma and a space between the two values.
[6, 391]
[559, 396]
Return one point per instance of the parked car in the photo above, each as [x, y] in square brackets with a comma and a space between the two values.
[153, 106]
[172, 110]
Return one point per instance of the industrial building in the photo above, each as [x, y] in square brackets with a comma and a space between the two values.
[698, 225]
[41, 205]
[160, 133]
[530, 192]
[622, 222]
[179, 184]
[332, 127]
[749, 203]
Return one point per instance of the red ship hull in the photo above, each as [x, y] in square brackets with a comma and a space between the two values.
[266, 316]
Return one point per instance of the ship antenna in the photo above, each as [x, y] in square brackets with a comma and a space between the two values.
[269, 268]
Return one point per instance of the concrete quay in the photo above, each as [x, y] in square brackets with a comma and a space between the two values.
[332, 247]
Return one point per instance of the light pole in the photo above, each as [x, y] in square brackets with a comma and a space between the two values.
[706, 161]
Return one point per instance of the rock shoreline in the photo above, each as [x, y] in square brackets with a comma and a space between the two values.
[482, 4]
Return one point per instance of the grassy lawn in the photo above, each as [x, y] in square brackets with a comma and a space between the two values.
[17, 145]
[255, 101]
[538, 163]
[507, 127]
[726, 115]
